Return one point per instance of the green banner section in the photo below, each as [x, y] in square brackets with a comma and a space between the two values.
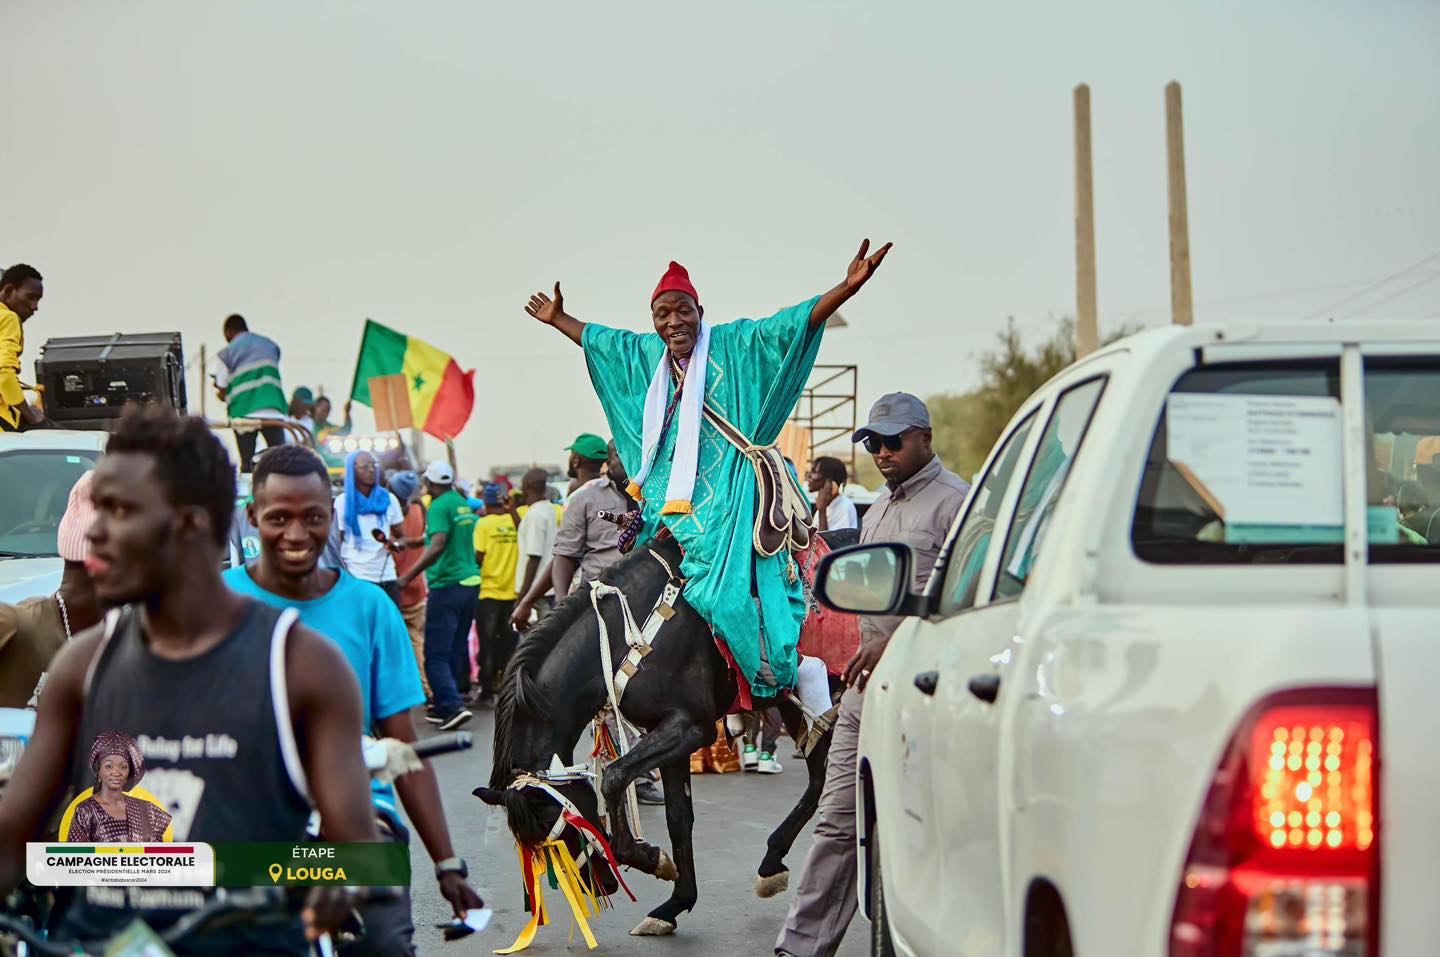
[382, 864]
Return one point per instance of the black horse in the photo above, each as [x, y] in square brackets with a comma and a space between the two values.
[553, 688]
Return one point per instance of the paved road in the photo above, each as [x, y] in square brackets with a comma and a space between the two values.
[734, 815]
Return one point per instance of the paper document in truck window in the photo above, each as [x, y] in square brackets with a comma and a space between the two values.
[1263, 463]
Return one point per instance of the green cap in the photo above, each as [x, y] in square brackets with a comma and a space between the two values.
[589, 446]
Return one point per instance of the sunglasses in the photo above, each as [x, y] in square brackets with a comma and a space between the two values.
[891, 442]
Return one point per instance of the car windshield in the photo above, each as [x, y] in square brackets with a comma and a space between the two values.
[37, 485]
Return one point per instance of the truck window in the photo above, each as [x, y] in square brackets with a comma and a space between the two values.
[1244, 467]
[1041, 491]
[972, 540]
[1402, 418]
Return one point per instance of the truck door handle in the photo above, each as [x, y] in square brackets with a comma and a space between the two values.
[926, 681]
[985, 687]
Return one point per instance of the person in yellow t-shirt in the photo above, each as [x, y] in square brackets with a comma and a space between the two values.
[497, 549]
[21, 288]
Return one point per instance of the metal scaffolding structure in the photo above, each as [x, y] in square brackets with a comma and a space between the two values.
[826, 416]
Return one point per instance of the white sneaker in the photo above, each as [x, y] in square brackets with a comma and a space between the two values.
[768, 764]
[749, 758]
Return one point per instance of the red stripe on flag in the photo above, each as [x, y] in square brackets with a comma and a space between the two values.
[453, 403]
[169, 850]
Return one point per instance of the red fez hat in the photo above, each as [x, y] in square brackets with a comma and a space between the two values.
[676, 279]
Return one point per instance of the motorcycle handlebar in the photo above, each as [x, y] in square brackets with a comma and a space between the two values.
[444, 744]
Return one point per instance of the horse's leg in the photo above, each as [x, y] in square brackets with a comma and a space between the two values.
[673, 735]
[680, 821]
[774, 877]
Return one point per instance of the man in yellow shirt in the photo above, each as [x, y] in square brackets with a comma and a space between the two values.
[20, 290]
[497, 549]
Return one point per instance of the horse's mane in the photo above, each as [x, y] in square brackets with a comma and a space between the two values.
[518, 695]
[519, 698]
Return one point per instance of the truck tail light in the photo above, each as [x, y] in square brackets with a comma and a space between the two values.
[1285, 859]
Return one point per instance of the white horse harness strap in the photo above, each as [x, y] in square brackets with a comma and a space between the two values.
[623, 728]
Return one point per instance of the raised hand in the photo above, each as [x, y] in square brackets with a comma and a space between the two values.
[544, 308]
[861, 268]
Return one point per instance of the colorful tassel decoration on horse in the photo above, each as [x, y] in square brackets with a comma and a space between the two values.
[553, 860]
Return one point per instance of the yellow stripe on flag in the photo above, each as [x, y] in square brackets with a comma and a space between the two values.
[424, 370]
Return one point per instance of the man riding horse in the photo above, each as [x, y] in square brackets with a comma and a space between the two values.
[681, 402]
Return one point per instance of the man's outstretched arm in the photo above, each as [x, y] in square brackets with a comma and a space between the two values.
[552, 313]
[857, 274]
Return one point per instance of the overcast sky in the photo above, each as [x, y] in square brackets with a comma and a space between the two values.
[429, 165]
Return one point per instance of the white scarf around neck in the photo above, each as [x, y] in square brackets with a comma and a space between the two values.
[680, 488]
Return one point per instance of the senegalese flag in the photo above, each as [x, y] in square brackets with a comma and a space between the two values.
[441, 395]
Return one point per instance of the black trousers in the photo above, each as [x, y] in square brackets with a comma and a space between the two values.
[389, 928]
[245, 441]
[497, 640]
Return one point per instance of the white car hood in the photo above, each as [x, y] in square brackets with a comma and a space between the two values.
[22, 578]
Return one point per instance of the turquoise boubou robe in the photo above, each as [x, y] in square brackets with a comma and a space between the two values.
[757, 370]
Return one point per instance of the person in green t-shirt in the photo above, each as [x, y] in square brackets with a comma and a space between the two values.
[450, 567]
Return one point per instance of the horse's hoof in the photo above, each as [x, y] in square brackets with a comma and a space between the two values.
[666, 871]
[766, 887]
[653, 927]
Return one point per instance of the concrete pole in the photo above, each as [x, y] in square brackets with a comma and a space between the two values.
[1087, 330]
[1182, 309]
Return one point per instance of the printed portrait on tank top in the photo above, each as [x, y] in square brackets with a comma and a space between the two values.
[115, 809]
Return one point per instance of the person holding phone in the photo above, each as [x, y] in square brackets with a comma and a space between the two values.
[834, 509]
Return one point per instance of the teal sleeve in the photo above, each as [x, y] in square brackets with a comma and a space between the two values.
[621, 364]
[777, 353]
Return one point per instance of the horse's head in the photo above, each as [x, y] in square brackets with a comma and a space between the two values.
[533, 812]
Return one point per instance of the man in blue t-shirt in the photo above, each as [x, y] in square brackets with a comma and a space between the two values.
[291, 508]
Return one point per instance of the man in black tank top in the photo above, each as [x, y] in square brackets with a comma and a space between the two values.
[183, 660]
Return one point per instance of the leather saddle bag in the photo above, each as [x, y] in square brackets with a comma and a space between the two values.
[783, 518]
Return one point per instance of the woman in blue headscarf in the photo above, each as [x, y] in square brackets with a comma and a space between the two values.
[363, 509]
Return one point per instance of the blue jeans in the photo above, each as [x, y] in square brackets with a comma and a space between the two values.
[448, 616]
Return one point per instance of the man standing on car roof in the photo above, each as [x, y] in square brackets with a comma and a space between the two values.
[20, 290]
[917, 505]
[249, 382]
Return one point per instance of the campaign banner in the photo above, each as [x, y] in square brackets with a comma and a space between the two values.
[149, 865]
[381, 864]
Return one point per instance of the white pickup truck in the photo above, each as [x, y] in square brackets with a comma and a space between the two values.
[1174, 686]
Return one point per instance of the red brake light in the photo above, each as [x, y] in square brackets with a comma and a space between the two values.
[1285, 856]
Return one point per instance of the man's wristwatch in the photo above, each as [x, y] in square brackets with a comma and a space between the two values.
[456, 864]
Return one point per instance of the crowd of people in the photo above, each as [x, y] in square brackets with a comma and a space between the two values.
[396, 572]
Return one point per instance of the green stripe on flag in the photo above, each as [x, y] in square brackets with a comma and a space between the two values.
[69, 849]
[382, 352]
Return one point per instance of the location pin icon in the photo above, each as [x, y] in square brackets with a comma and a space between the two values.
[275, 870]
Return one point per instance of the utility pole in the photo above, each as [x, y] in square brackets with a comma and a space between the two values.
[203, 388]
[1182, 309]
[1087, 329]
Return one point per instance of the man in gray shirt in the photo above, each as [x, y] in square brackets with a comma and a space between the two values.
[917, 506]
[585, 542]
